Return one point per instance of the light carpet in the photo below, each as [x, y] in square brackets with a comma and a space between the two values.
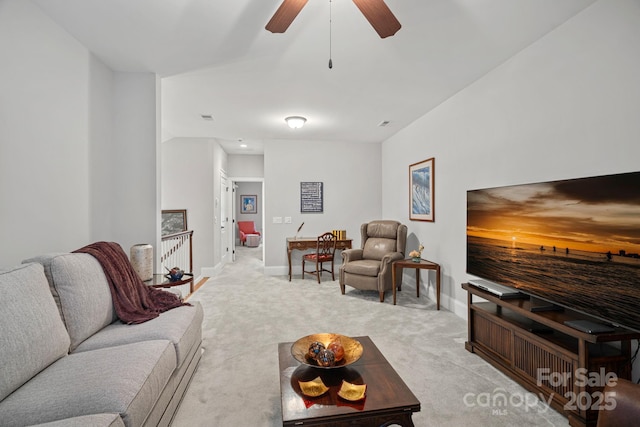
[247, 314]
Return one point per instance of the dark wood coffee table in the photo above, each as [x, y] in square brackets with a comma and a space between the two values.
[388, 399]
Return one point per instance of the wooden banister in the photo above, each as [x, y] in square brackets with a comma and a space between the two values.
[177, 250]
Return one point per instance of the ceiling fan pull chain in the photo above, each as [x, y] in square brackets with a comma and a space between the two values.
[330, 61]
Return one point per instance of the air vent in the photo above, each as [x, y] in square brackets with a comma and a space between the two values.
[384, 123]
[206, 117]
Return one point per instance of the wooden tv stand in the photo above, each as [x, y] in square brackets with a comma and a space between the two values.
[548, 358]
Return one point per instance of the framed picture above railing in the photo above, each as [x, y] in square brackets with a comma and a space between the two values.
[174, 221]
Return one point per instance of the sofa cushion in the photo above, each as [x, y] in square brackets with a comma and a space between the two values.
[127, 379]
[32, 335]
[97, 420]
[182, 326]
[44, 260]
[82, 290]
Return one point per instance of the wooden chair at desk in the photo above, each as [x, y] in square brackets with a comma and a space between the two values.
[325, 250]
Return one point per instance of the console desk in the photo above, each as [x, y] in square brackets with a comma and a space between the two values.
[306, 243]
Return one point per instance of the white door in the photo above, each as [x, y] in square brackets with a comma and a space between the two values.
[234, 226]
[225, 229]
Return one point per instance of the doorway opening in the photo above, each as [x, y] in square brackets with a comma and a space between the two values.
[248, 206]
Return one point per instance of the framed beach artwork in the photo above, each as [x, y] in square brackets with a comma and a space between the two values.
[421, 188]
[248, 204]
[174, 221]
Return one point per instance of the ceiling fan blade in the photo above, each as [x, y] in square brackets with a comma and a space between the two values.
[379, 16]
[285, 15]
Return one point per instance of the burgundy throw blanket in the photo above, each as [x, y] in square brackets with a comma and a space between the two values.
[134, 301]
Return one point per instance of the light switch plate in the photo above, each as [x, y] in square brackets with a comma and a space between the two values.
[277, 220]
[287, 220]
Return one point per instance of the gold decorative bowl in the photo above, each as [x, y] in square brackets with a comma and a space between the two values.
[352, 349]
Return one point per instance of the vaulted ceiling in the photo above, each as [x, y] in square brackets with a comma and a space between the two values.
[216, 58]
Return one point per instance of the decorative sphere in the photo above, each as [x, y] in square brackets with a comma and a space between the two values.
[314, 349]
[326, 358]
[337, 349]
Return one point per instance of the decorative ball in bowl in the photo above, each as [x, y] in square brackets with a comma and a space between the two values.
[326, 350]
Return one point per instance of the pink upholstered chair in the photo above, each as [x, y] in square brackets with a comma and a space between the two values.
[245, 228]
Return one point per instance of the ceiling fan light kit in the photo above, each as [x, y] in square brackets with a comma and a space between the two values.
[295, 122]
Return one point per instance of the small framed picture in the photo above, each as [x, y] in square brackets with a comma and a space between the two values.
[311, 197]
[248, 204]
[421, 188]
[174, 221]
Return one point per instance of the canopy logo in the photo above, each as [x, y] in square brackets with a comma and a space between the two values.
[499, 401]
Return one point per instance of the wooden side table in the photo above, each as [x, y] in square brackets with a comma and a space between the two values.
[422, 265]
[161, 281]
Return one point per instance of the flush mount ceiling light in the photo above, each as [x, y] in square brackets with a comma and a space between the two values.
[295, 122]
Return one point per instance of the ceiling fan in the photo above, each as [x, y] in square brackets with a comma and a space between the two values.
[376, 11]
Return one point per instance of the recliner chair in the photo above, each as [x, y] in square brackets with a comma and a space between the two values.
[369, 268]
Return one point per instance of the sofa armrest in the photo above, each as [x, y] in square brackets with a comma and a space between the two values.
[387, 261]
[626, 411]
[349, 255]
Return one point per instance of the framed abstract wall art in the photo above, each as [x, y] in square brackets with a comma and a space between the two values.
[421, 190]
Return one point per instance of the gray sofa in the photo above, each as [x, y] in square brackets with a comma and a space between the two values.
[66, 360]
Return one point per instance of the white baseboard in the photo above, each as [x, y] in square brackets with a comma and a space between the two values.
[459, 308]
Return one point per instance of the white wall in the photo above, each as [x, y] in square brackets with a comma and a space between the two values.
[351, 176]
[78, 161]
[245, 166]
[101, 153]
[188, 177]
[566, 107]
[134, 160]
[47, 83]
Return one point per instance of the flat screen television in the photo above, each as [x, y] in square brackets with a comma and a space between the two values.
[574, 243]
